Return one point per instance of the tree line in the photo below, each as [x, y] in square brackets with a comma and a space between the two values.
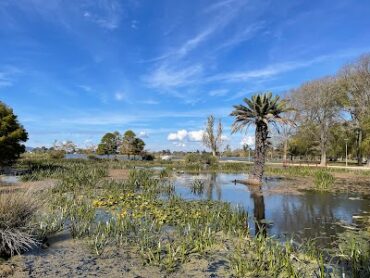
[331, 112]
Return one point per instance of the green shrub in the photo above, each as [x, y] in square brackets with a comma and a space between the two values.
[56, 154]
[323, 180]
[205, 158]
[92, 157]
[148, 157]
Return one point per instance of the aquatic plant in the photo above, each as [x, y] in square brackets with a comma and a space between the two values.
[197, 187]
[323, 180]
[354, 249]
[265, 257]
[165, 173]
[144, 215]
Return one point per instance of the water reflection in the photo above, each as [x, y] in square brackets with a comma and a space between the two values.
[213, 183]
[309, 215]
[258, 209]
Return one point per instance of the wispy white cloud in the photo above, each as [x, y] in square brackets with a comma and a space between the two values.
[7, 75]
[134, 24]
[150, 102]
[222, 5]
[268, 71]
[107, 13]
[174, 69]
[195, 41]
[165, 77]
[241, 36]
[85, 88]
[218, 93]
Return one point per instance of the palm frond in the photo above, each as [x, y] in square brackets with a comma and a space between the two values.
[260, 108]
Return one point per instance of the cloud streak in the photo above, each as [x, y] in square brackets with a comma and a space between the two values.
[7, 76]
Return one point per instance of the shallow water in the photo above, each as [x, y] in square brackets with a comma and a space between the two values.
[308, 215]
[9, 179]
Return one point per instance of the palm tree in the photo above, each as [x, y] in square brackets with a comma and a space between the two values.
[261, 110]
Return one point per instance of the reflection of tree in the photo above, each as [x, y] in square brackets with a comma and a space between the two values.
[212, 183]
[259, 209]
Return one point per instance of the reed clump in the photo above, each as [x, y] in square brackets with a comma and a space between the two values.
[17, 230]
[323, 180]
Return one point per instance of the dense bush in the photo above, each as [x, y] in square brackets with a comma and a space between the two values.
[92, 157]
[201, 158]
[148, 157]
[56, 154]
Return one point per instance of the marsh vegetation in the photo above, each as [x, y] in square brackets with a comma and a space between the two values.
[147, 214]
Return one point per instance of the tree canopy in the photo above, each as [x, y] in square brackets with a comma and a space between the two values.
[260, 110]
[131, 145]
[113, 143]
[109, 143]
[12, 136]
[212, 139]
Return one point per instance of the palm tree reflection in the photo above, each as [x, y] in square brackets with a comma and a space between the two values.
[259, 209]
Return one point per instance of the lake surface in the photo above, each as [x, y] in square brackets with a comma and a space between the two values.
[303, 216]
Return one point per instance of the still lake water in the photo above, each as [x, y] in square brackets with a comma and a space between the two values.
[308, 215]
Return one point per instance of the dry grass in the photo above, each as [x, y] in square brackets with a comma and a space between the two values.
[16, 229]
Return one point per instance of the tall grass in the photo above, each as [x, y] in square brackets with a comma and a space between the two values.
[354, 250]
[323, 180]
[17, 233]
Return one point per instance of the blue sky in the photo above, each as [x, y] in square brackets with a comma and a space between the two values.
[73, 70]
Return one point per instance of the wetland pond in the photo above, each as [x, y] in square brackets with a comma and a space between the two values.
[299, 215]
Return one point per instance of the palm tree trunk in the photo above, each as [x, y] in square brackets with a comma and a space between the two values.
[260, 153]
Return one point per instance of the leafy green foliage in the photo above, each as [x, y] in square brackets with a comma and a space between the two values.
[301, 143]
[12, 135]
[109, 143]
[131, 145]
[261, 109]
[204, 158]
